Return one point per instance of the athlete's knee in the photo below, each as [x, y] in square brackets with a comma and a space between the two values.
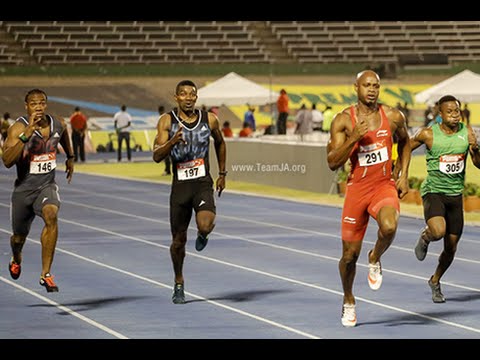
[206, 227]
[388, 227]
[349, 257]
[437, 232]
[179, 240]
[50, 214]
[18, 239]
[205, 224]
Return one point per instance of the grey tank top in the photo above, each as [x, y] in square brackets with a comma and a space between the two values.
[37, 163]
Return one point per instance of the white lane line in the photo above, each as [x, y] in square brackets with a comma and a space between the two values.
[65, 309]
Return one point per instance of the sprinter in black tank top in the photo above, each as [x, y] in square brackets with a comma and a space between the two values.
[184, 134]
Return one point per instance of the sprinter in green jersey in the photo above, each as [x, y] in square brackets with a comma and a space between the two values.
[447, 147]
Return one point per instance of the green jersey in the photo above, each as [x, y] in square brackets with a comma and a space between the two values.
[446, 162]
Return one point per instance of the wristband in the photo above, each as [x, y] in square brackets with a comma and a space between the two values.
[223, 173]
[70, 157]
[23, 138]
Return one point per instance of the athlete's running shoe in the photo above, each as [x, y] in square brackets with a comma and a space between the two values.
[14, 269]
[375, 276]
[201, 242]
[349, 316]
[437, 295]
[48, 283]
[421, 248]
[178, 296]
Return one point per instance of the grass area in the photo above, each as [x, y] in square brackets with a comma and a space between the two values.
[150, 171]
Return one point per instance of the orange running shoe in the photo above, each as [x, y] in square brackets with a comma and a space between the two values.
[48, 283]
[15, 269]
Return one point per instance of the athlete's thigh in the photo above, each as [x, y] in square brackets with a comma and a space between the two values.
[354, 214]
[433, 206]
[203, 198]
[181, 207]
[22, 213]
[48, 195]
[454, 215]
[385, 194]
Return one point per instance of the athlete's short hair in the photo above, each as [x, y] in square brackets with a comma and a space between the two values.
[34, 92]
[447, 98]
[184, 83]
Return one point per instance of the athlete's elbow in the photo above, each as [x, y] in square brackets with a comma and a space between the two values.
[8, 164]
[333, 167]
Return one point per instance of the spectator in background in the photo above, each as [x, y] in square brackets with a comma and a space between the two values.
[404, 109]
[327, 118]
[282, 107]
[123, 121]
[168, 161]
[6, 122]
[227, 130]
[78, 123]
[317, 118]
[406, 112]
[249, 117]
[214, 109]
[303, 122]
[466, 114]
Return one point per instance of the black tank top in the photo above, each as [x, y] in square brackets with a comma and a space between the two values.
[191, 160]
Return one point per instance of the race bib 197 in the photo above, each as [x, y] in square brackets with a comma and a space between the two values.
[452, 164]
[191, 169]
[43, 163]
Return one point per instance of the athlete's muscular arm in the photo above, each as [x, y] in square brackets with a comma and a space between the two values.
[13, 147]
[67, 147]
[423, 135]
[473, 148]
[404, 150]
[162, 145]
[220, 150]
[343, 139]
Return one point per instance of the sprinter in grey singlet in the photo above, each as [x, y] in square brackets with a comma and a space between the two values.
[32, 145]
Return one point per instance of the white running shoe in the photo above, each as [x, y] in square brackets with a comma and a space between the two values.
[375, 275]
[349, 316]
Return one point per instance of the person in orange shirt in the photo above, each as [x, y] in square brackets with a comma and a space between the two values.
[282, 107]
[227, 130]
[363, 134]
[246, 131]
[78, 122]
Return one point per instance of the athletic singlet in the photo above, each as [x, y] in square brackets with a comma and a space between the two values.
[371, 157]
[36, 165]
[190, 161]
[446, 162]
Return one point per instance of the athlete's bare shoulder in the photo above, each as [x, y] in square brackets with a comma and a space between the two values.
[393, 114]
[423, 134]
[213, 120]
[61, 120]
[164, 122]
[342, 118]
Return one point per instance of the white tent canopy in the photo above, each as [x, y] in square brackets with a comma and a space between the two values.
[232, 89]
[465, 86]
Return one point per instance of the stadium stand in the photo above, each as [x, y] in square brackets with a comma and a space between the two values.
[406, 43]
